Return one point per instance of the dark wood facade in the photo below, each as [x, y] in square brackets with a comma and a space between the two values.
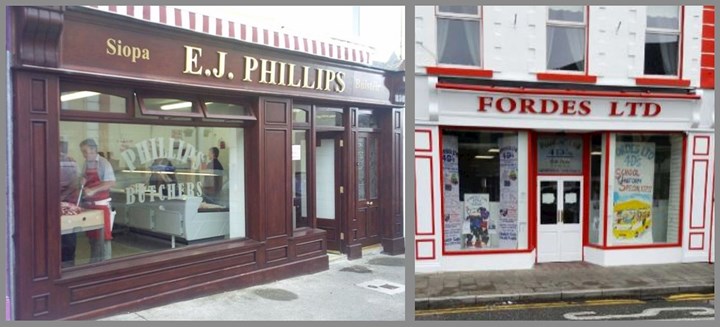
[54, 45]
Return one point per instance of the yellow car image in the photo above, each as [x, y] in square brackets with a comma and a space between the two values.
[632, 218]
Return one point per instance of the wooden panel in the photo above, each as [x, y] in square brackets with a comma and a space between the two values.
[277, 182]
[309, 247]
[38, 35]
[40, 230]
[424, 196]
[41, 304]
[276, 112]
[39, 99]
[277, 254]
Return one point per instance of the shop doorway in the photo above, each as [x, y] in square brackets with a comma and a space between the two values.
[328, 182]
[559, 218]
[366, 224]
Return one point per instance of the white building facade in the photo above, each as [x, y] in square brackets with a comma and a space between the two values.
[563, 133]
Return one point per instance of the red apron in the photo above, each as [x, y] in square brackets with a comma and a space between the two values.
[92, 179]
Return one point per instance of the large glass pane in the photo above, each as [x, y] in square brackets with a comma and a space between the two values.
[300, 115]
[565, 48]
[480, 190]
[325, 177]
[646, 189]
[596, 156]
[373, 167]
[548, 203]
[472, 10]
[226, 109]
[661, 54]
[567, 13]
[458, 42]
[560, 154]
[168, 105]
[571, 202]
[92, 101]
[367, 119]
[329, 117]
[665, 17]
[299, 167]
[361, 180]
[160, 187]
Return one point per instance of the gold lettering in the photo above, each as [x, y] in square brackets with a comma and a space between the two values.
[220, 70]
[110, 47]
[306, 78]
[281, 74]
[251, 64]
[146, 54]
[340, 87]
[329, 77]
[267, 72]
[291, 77]
[191, 58]
[319, 78]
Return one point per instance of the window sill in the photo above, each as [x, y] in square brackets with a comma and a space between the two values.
[454, 71]
[659, 81]
[561, 77]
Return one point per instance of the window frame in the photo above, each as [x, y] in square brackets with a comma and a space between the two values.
[196, 111]
[70, 85]
[463, 17]
[665, 31]
[569, 24]
[246, 102]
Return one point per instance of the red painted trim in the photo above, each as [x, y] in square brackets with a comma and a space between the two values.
[532, 192]
[130, 10]
[594, 246]
[702, 242]
[231, 29]
[417, 256]
[707, 60]
[558, 174]
[451, 71]
[487, 252]
[708, 45]
[692, 191]
[243, 32]
[146, 12]
[266, 37]
[605, 191]
[442, 191]
[581, 93]
[432, 199]
[429, 132]
[712, 222]
[636, 247]
[560, 77]
[662, 81]
[276, 39]
[695, 147]
[681, 208]
[587, 143]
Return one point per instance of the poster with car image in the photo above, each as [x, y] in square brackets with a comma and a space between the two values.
[633, 193]
[508, 213]
[453, 207]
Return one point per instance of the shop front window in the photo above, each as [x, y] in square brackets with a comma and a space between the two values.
[128, 188]
[662, 40]
[300, 177]
[458, 35]
[566, 38]
[646, 189]
[596, 159]
[481, 181]
[88, 99]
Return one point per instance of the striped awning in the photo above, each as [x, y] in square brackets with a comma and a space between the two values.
[181, 18]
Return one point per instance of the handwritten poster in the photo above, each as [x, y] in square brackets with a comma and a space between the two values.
[562, 155]
[453, 219]
[508, 218]
[633, 192]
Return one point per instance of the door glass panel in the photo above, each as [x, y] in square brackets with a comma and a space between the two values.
[373, 168]
[548, 202]
[299, 167]
[571, 202]
[361, 148]
[325, 178]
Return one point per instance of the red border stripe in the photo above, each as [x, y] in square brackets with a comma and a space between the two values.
[519, 90]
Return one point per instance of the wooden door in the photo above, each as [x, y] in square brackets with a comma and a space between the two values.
[366, 224]
[328, 180]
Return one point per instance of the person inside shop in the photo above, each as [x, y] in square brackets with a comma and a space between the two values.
[164, 175]
[68, 196]
[97, 179]
[213, 184]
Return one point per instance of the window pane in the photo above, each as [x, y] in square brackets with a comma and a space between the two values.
[661, 54]
[473, 10]
[646, 189]
[565, 48]
[300, 115]
[373, 167]
[92, 101]
[560, 154]
[367, 119]
[567, 13]
[226, 109]
[480, 181]
[166, 181]
[329, 117]
[666, 17]
[299, 167]
[168, 105]
[458, 42]
[595, 186]
[361, 153]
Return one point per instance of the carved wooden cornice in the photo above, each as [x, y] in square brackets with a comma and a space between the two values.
[37, 35]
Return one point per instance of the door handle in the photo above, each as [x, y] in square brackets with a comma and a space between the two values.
[561, 217]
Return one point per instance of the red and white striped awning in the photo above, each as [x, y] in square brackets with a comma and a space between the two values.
[202, 23]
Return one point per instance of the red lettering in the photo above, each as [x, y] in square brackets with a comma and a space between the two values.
[527, 105]
[633, 108]
[656, 109]
[501, 108]
[544, 106]
[568, 107]
[614, 109]
[484, 102]
[584, 109]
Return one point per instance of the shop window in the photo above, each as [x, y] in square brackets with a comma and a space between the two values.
[560, 154]
[596, 171]
[300, 154]
[566, 38]
[228, 110]
[300, 114]
[458, 35]
[90, 99]
[329, 117]
[482, 174]
[645, 189]
[662, 40]
[165, 106]
[168, 186]
[367, 119]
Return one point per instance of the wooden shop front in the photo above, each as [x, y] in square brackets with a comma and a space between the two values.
[233, 164]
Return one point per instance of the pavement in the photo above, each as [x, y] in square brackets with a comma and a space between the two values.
[560, 282]
[370, 288]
